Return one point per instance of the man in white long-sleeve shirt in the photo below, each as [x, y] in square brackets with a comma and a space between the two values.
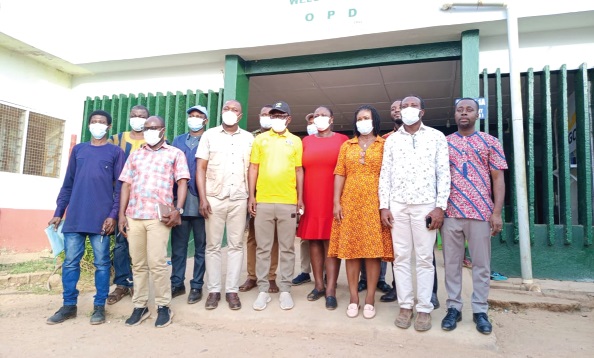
[413, 191]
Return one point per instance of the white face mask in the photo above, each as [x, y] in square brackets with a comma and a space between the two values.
[152, 136]
[312, 129]
[195, 124]
[137, 123]
[410, 115]
[229, 118]
[365, 126]
[322, 123]
[98, 130]
[279, 125]
[265, 122]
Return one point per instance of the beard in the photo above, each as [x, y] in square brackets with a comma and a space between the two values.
[397, 121]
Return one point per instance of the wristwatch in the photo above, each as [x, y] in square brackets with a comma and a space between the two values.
[181, 210]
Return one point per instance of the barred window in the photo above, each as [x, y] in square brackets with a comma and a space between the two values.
[43, 145]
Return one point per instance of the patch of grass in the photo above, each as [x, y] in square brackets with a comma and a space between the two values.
[41, 265]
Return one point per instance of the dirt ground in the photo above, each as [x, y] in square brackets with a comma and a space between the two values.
[308, 330]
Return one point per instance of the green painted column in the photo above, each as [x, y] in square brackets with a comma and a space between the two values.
[584, 154]
[499, 102]
[88, 108]
[237, 84]
[486, 95]
[212, 105]
[548, 196]
[469, 65]
[563, 152]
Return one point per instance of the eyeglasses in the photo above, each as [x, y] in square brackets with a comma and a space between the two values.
[279, 116]
[362, 157]
[156, 128]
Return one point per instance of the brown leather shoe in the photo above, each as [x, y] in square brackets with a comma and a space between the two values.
[423, 321]
[212, 301]
[404, 318]
[247, 285]
[233, 299]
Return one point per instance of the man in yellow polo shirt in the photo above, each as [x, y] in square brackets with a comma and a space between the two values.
[275, 171]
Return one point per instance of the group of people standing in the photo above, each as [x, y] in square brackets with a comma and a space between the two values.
[367, 200]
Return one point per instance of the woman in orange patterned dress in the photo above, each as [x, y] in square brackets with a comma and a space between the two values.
[357, 231]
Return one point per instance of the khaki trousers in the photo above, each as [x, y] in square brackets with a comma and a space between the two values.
[148, 240]
[251, 253]
[231, 214]
[409, 233]
[281, 217]
[478, 234]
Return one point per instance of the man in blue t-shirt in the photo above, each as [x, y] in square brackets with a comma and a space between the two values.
[91, 193]
[192, 220]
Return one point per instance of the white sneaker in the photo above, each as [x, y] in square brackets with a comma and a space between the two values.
[286, 301]
[261, 301]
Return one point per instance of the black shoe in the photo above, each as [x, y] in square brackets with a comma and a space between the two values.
[177, 291]
[362, 286]
[383, 286]
[434, 301]
[390, 296]
[449, 321]
[301, 279]
[138, 315]
[195, 295]
[64, 313]
[482, 323]
[164, 316]
[331, 303]
[98, 315]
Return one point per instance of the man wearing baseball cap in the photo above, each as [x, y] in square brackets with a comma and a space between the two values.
[192, 220]
[275, 197]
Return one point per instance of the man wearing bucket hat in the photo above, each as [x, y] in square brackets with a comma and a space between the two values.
[192, 220]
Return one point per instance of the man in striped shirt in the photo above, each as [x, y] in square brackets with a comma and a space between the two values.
[476, 160]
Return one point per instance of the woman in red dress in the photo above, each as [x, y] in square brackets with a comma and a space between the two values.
[320, 153]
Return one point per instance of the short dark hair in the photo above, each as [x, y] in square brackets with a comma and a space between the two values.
[142, 108]
[415, 96]
[329, 110]
[101, 113]
[469, 99]
[375, 119]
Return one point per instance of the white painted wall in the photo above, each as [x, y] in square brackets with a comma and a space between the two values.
[31, 85]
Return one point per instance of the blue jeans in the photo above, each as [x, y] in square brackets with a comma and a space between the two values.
[74, 248]
[383, 269]
[121, 262]
[180, 236]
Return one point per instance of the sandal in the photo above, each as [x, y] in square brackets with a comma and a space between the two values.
[316, 294]
[248, 285]
[368, 311]
[118, 294]
[273, 288]
[352, 310]
[467, 263]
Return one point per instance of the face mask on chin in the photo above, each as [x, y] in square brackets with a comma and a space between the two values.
[137, 123]
[410, 115]
[152, 136]
[312, 129]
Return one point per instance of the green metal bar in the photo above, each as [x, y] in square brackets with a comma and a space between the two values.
[160, 105]
[151, 102]
[191, 98]
[106, 103]
[123, 113]
[132, 101]
[88, 108]
[583, 153]
[563, 165]
[469, 64]
[237, 84]
[486, 97]
[142, 99]
[213, 109]
[169, 116]
[180, 114]
[443, 51]
[499, 99]
[548, 196]
[115, 118]
[201, 98]
[530, 172]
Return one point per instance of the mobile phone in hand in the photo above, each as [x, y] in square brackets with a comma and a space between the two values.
[428, 221]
